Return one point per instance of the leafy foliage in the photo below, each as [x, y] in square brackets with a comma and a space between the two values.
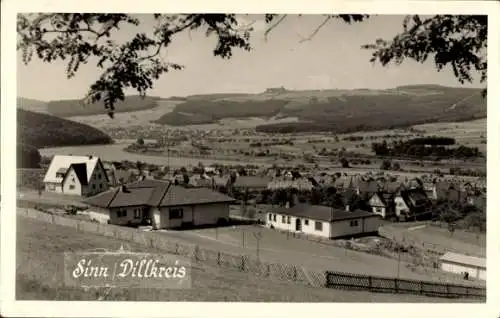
[459, 41]
[418, 150]
[27, 156]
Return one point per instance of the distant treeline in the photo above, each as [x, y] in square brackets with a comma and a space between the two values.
[432, 141]
[75, 107]
[421, 149]
[365, 123]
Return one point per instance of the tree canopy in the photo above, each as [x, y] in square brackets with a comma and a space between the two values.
[78, 38]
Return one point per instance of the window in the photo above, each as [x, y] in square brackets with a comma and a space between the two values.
[73, 179]
[137, 213]
[175, 214]
[99, 176]
[51, 186]
[274, 217]
[283, 219]
[354, 223]
[121, 213]
[306, 222]
[100, 186]
[318, 226]
[93, 186]
[289, 220]
[71, 186]
[270, 217]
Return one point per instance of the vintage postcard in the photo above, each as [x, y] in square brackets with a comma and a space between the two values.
[275, 159]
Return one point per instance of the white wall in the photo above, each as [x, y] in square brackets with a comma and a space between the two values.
[53, 187]
[400, 205]
[202, 214]
[305, 228]
[130, 216]
[71, 184]
[459, 269]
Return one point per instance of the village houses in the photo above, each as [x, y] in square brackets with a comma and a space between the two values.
[76, 175]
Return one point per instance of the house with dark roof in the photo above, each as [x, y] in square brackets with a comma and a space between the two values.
[411, 203]
[382, 203]
[161, 204]
[323, 221]
[76, 175]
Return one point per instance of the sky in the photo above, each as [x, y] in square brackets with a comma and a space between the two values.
[332, 59]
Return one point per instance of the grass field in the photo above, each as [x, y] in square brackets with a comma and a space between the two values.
[279, 248]
[466, 242]
[39, 275]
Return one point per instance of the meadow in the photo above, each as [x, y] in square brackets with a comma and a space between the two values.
[40, 248]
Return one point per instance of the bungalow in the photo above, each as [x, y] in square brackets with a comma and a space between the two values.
[323, 221]
[161, 204]
[475, 267]
[76, 175]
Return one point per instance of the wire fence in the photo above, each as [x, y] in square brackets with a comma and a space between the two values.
[255, 266]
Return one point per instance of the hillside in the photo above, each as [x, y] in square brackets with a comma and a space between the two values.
[32, 105]
[75, 107]
[36, 130]
[335, 110]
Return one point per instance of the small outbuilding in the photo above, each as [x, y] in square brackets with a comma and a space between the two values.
[469, 266]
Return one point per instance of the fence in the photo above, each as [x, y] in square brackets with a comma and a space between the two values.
[400, 286]
[255, 266]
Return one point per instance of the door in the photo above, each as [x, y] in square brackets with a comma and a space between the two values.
[298, 225]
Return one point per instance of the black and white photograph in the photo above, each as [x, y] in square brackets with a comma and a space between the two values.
[249, 157]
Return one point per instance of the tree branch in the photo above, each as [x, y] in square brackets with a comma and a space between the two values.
[273, 26]
[318, 28]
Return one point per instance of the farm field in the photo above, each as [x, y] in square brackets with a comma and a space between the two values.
[40, 246]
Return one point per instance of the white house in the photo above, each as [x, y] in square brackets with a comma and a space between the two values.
[382, 204]
[459, 264]
[76, 175]
[323, 221]
[161, 204]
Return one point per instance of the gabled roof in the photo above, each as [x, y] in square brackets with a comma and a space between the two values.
[414, 197]
[322, 213]
[81, 172]
[60, 162]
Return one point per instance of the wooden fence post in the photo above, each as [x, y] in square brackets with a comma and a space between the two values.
[242, 263]
[196, 252]
[218, 259]
[370, 283]
[396, 285]
[294, 273]
[268, 270]
[176, 248]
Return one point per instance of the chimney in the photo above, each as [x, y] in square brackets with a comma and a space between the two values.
[123, 188]
[347, 208]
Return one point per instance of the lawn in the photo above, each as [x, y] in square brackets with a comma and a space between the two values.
[461, 240]
[39, 276]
